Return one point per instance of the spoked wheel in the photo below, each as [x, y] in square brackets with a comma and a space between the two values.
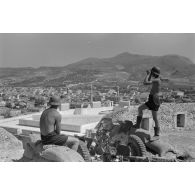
[136, 146]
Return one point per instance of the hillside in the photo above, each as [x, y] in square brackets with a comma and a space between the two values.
[124, 66]
[136, 65]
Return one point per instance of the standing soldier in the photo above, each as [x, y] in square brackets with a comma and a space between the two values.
[152, 78]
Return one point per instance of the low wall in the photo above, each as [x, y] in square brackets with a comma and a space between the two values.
[84, 111]
[167, 115]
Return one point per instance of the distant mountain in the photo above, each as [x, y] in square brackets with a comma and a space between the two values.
[136, 65]
[125, 66]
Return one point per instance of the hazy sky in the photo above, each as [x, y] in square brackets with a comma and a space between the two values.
[36, 50]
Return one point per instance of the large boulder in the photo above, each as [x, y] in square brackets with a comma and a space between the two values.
[10, 147]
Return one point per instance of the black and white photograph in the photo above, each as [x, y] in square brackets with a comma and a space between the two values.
[97, 97]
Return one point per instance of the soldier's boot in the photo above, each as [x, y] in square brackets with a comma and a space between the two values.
[156, 134]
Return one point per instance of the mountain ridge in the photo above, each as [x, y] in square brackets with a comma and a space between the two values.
[124, 66]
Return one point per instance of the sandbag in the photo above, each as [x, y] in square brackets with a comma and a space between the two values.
[61, 154]
[159, 147]
[29, 139]
[33, 150]
[34, 137]
[28, 151]
[52, 153]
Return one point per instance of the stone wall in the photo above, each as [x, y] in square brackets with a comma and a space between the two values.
[167, 115]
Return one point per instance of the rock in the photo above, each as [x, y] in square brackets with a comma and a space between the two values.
[10, 147]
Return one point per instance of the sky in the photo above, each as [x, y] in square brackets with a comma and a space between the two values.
[35, 50]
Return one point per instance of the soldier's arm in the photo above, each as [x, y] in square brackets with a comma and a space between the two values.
[58, 124]
[147, 80]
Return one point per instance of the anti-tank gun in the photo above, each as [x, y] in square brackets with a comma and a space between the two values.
[118, 142]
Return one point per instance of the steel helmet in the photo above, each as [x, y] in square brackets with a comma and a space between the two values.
[155, 70]
[55, 101]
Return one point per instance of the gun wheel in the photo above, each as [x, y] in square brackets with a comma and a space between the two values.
[136, 146]
[83, 151]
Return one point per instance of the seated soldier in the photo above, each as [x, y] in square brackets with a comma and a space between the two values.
[50, 127]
